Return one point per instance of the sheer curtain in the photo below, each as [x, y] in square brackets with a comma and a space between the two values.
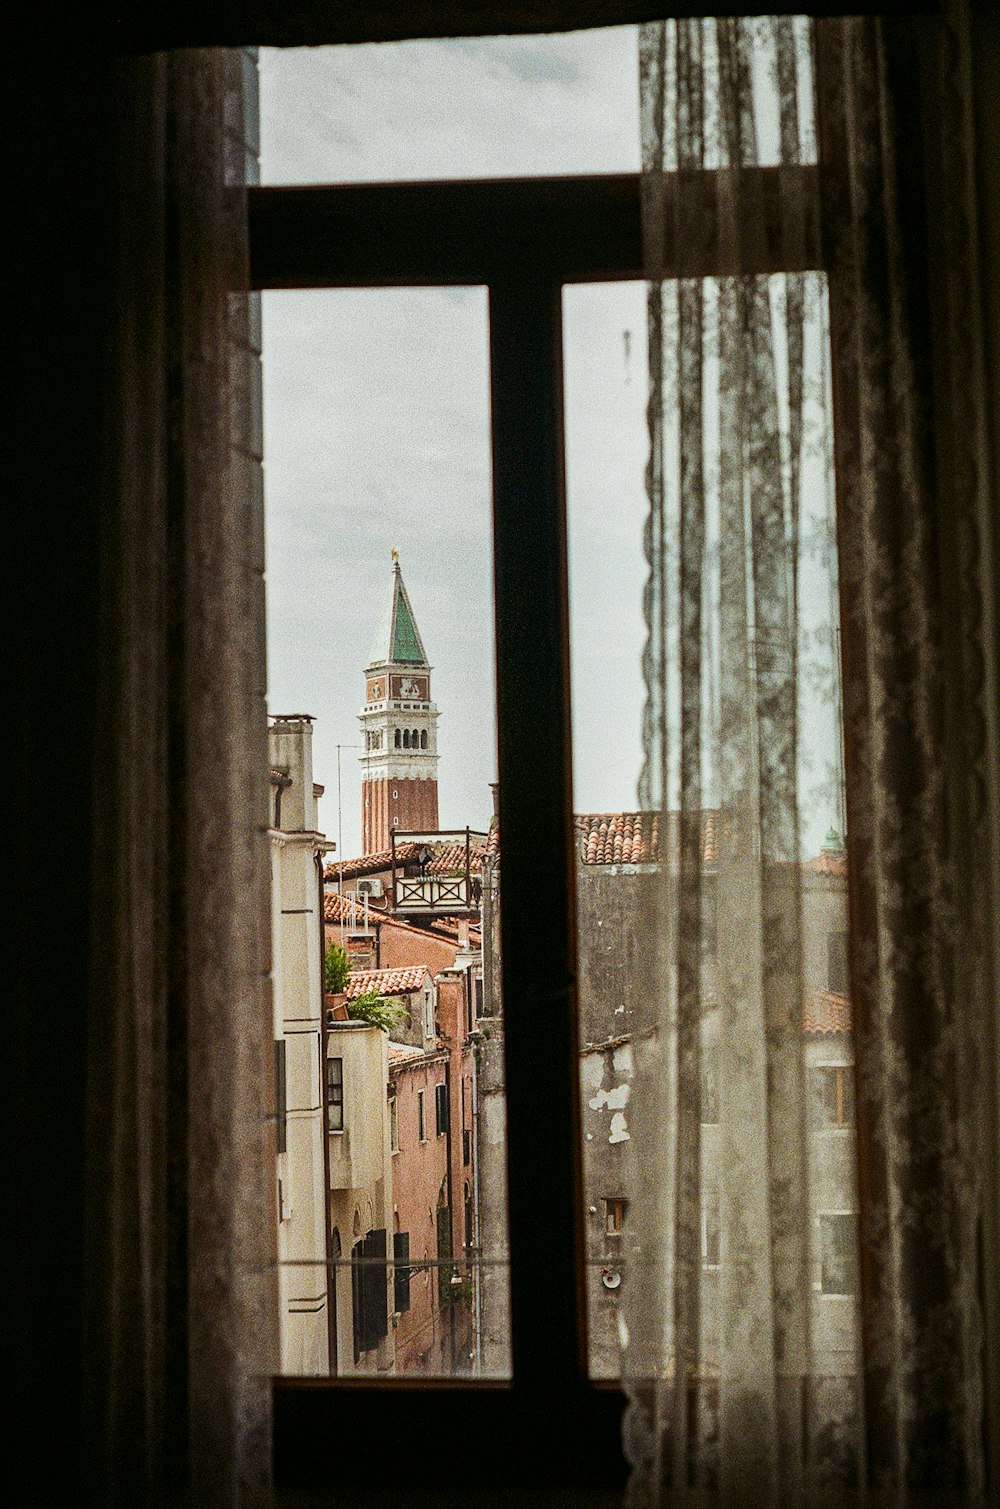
[803, 1318]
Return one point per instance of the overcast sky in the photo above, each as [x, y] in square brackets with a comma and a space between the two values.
[376, 422]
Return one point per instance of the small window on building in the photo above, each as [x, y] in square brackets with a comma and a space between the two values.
[837, 977]
[838, 1251]
[280, 1096]
[397, 741]
[428, 1014]
[479, 996]
[421, 1119]
[614, 1215]
[832, 1096]
[423, 738]
[441, 1108]
[369, 1296]
[401, 1271]
[335, 1094]
[406, 738]
[469, 1227]
[393, 1124]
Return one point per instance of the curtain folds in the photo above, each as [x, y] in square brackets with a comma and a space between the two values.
[180, 1313]
[806, 1242]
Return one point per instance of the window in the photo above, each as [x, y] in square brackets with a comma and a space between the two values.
[838, 1245]
[614, 1215]
[421, 1123]
[579, 224]
[280, 1096]
[401, 1271]
[369, 1295]
[335, 1094]
[394, 1124]
[832, 1098]
[82, 340]
[441, 1108]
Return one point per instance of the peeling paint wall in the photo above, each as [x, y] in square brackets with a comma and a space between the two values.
[616, 1010]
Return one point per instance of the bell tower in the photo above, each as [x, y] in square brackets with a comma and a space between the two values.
[399, 723]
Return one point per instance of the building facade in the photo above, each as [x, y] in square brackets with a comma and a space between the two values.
[621, 859]
[297, 943]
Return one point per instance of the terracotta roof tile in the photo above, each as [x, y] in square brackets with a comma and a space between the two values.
[368, 864]
[351, 909]
[403, 1053]
[633, 838]
[827, 864]
[388, 982]
[825, 1013]
[449, 858]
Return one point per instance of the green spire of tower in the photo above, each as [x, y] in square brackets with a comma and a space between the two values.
[405, 638]
[398, 637]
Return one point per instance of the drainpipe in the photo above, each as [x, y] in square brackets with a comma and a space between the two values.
[477, 1267]
[331, 1272]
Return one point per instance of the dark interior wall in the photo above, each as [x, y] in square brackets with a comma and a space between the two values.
[60, 131]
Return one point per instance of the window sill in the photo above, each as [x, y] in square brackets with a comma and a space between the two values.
[569, 1439]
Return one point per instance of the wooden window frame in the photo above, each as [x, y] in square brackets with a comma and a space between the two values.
[524, 239]
[332, 1104]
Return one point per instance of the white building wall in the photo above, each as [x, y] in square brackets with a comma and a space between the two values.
[361, 1178]
[298, 1004]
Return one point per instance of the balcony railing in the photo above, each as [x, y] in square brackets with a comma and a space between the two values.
[438, 874]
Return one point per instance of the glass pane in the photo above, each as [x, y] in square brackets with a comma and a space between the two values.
[606, 449]
[629, 846]
[392, 1230]
[459, 108]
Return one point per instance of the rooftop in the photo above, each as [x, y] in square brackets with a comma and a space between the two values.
[825, 1013]
[388, 982]
[634, 838]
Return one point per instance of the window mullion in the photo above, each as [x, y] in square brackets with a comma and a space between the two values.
[538, 937]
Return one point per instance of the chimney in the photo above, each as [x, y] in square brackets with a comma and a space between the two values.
[289, 742]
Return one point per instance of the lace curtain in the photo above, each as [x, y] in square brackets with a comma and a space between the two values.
[802, 1316]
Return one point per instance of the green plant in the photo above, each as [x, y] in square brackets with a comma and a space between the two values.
[338, 968]
[377, 1010]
